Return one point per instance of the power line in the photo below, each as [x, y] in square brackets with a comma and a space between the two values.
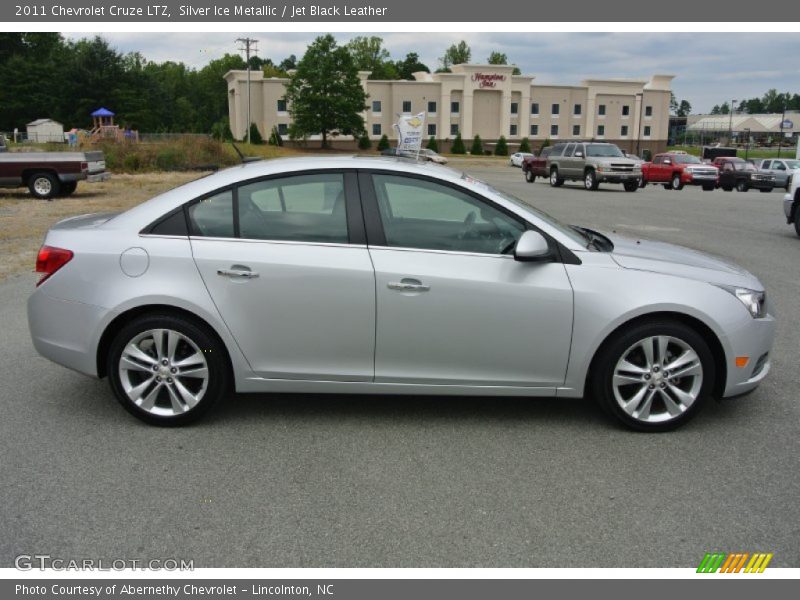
[248, 46]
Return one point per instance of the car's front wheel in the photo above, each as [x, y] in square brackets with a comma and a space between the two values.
[654, 376]
[741, 186]
[677, 184]
[555, 180]
[529, 176]
[166, 369]
[590, 181]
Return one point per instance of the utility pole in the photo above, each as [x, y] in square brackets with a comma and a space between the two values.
[248, 45]
[730, 123]
[780, 139]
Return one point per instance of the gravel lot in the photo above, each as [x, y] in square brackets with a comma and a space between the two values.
[338, 481]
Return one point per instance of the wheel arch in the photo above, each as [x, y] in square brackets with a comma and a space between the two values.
[30, 172]
[118, 322]
[706, 332]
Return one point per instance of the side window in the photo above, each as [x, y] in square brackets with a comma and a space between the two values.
[213, 216]
[302, 208]
[658, 160]
[422, 214]
[570, 149]
[778, 165]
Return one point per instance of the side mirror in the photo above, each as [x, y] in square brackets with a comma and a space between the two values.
[531, 247]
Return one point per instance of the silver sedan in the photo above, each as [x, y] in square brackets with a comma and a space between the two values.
[381, 276]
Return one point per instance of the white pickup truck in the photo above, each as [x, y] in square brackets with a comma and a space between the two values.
[791, 204]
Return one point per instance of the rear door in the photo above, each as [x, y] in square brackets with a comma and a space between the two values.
[286, 264]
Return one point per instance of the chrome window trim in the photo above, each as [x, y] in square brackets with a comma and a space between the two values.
[281, 242]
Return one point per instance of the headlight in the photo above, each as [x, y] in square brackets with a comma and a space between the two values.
[755, 302]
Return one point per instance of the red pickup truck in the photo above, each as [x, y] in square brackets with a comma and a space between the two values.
[536, 166]
[673, 170]
[51, 174]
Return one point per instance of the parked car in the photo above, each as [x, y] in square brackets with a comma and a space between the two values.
[366, 275]
[673, 170]
[710, 153]
[517, 158]
[791, 205]
[783, 169]
[742, 175]
[51, 174]
[593, 163]
[424, 154]
[430, 155]
[536, 166]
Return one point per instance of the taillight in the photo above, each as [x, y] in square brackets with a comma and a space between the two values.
[84, 166]
[50, 260]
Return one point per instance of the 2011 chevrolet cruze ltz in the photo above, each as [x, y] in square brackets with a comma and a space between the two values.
[383, 276]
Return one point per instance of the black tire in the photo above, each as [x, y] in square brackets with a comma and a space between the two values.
[708, 188]
[204, 342]
[555, 180]
[797, 220]
[68, 188]
[529, 176]
[676, 183]
[620, 343]
[741, 186]
[667, 186]
[642, 183]
[765, 191]
[631, 186]
[590, 180]
[44, 185]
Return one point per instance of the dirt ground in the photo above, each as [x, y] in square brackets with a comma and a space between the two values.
[24, 220]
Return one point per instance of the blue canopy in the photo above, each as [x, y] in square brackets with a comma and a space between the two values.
[102, 112]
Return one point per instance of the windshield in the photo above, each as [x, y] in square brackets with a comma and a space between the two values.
[575, 235]
[743, 166]
[793, 164]
[603, 150]
[687, 159]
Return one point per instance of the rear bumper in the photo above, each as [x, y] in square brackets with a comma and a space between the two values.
[97, 177]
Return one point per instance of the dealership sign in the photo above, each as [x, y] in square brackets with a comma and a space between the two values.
[409, 132]
[487, 80]
[787, 124]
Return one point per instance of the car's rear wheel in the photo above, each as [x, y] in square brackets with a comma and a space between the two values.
[44, 185]
[167, 370]
[631, 186]
[654, 376]
[676, 183]
[529, 176]
[667, 186]
[642, 183]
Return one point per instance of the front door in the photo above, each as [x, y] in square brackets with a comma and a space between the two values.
[453, 306]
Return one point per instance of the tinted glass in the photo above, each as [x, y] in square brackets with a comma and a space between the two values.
[422, 214]
[213, 216]
[303, 208]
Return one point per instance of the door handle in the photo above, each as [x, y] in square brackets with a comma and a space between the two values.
[243, 273]
[408, 285]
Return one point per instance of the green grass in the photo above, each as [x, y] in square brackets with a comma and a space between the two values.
[786, 151]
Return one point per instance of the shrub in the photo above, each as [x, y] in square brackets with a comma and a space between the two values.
[255, 135]
[432, 145]
[458, 146]
[477, 146]
[221, 130]
[501, 148]
[525, 145]
[364, 142]
[383, 143]
[545, 144]
[275, 138]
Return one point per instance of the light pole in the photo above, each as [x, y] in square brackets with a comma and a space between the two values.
[747, 142]
[780, 139]
[730, 123]
[640, 97]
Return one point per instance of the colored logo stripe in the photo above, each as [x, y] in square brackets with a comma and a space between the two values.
[734, 562]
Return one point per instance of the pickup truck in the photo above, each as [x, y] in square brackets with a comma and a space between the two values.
[673, 170]
[51, 174]
[742, 175]
[784, 170]
[791, 205]
[536, 166]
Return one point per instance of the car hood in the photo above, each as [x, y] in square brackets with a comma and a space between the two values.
[661, 257]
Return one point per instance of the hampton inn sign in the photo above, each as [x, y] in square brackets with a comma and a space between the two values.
[488, 100]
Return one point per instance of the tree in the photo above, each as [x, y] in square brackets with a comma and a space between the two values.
[383, 143]
[275, 138]
[477, 146]
[432, 145]
[458, 146]
[684, 109]
[456, 54]
[255, 135]
[501, 148]
[409, 65]
[364, 143]
[369, 55]
[325, 93]
[499, 58]
[288, 63]
[525, 145]
[545, 144]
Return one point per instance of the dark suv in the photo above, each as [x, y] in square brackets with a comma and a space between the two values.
[742, 175]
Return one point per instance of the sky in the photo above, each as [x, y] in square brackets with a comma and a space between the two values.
[709, 68]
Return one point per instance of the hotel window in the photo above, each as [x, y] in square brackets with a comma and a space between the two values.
[576, 110]
[626, 110]
[553, 129]
[601, 110]
[431, 128]
[281, 105]
[455, 107]
[453, 128]
[647, 130]
[554, 109]
[406, 106]
[376, 129]
[432, 107]
[601, 130]
[535, 109]
[513, 130]
[534, 130]
[376, 106]
[283, 129]
[623, 131]
[514, 108]
[576, 130]
[648, 111]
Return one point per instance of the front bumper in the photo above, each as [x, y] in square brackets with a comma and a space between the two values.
[612, 177]
[752, 339]
[761, 184]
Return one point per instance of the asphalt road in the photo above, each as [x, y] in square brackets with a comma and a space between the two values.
[338, 481]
